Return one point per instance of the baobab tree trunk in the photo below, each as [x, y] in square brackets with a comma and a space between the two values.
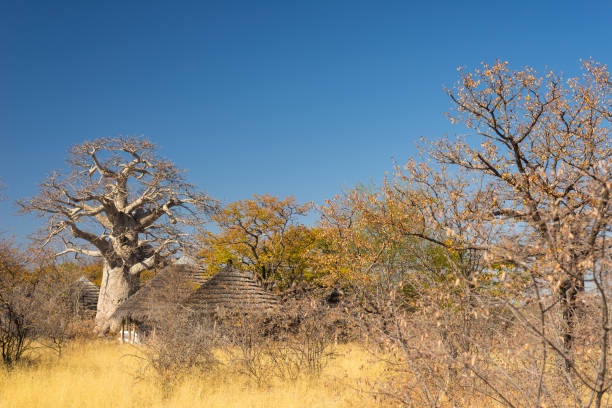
[117, 285]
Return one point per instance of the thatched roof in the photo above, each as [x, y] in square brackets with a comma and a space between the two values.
[172, 284]
[87, 293]
[231, 290]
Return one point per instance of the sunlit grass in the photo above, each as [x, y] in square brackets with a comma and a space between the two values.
[102, 374]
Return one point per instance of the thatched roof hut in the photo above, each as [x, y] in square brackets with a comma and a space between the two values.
[231, 290]
[171, 285]
[86, 293]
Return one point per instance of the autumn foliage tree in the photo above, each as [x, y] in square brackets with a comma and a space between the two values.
[34, 302]
[542, 145]
[16, 327]
[122, 202]
[263, 235]
[384, 245]
[517, 212]
[351, 247]
[527, 187]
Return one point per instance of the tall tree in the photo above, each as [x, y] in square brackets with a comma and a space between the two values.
[526, 189]
[541, 147]
[122, 202]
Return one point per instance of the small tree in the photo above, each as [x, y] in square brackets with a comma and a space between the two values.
[122, 202]
[263, 235]
[17, 325]
[56, 311]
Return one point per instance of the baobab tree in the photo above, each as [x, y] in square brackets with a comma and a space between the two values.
[122, 202]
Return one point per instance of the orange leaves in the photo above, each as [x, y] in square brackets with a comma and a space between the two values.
[529, 123]
[366, 230]
[12, 260]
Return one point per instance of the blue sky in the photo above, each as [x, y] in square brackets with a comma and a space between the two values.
[278, 97]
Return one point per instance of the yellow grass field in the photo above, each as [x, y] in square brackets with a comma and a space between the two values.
[100, 374]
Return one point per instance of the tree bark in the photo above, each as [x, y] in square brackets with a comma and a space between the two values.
[117, 286]
[569, 290]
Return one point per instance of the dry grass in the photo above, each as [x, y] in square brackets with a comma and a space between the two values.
[98, 374]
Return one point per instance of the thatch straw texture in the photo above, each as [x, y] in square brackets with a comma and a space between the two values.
[171, 285]
[231, 290]
[87, 294]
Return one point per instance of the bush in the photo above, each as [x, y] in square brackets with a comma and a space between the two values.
[180, 344]
[17, 328]
[16, 305]
[296, 342]
[36, 303]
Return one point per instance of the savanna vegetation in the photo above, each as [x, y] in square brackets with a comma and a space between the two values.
[476, 275]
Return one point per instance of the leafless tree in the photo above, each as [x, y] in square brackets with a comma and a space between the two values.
[122, 202]
[180, 344]
[295, 341]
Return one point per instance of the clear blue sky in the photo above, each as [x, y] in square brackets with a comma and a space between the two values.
[280, 97]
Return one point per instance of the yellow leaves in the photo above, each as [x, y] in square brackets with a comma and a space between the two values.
[261, 234]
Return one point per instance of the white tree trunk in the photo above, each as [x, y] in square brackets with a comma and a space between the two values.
[117, 285]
